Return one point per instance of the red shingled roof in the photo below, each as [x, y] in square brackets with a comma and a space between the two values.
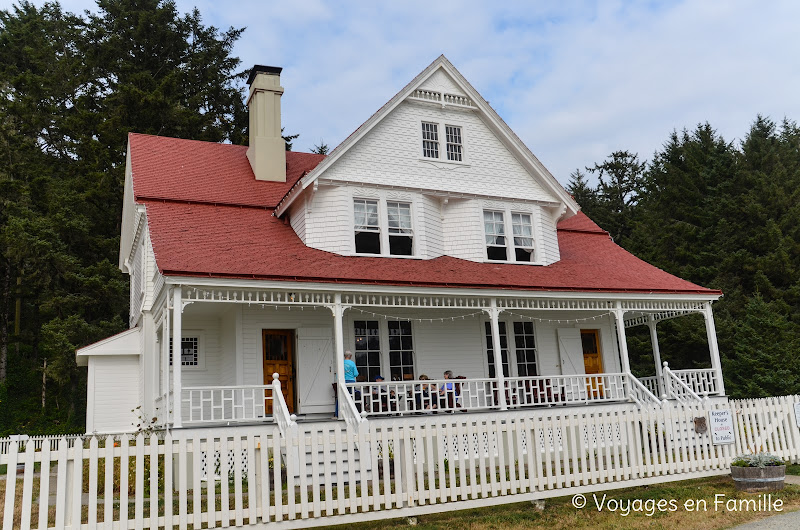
[209, 217]
[192, 171]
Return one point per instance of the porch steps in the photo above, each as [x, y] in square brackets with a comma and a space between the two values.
[316, 454]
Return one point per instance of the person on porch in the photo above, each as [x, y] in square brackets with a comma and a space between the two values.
[446, 392]
[381, 394]
[350, 369]
[423, 397]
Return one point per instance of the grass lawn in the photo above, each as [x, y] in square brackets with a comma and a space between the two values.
[559, 513]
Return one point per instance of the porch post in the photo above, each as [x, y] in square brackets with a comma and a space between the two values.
[651, 323]
[494, 314]
[623, 344]
[713, 347]
[338, 341]
[177, 309]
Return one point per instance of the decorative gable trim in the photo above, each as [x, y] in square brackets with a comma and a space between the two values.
[471, 100]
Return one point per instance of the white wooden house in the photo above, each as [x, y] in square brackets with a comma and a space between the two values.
[429, 240]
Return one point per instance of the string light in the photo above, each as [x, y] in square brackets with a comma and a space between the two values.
[559, 320]
[392, 317]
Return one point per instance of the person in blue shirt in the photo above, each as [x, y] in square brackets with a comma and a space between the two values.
[350, 370]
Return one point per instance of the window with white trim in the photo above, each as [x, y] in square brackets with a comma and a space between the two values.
[494, 228]
[453, 141]
[522, 230]
[190, 351]
[503, 349]
[401, 350]
[525, 349]
[430, 140]
[401, 236]
[368, 348]
[367, 226]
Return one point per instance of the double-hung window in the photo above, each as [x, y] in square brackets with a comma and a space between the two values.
[368, 348]
[495, 235]
[401, 237]
[519, 246]
[401, 350]
[522, 228]
[430, 140]
[367, 226]
[454, 147]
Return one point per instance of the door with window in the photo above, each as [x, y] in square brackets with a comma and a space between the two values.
[592, 361]
[278, 357]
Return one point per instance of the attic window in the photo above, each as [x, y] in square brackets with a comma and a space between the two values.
[453, 137]
[367, 227]
[430, 140]
[495, 235]
[401, 237]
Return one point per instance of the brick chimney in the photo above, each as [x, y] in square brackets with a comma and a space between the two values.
[267, 151]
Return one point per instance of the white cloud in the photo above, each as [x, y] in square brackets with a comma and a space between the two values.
[575, 80]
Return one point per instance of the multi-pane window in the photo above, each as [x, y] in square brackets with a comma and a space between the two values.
[525, 349]
[453, 137]
[503, 349]
[367, 227]
[368, 348]
[495, 235]
[401, 351]
[522, 228]
[401, 241]
[430, 140]
[190, 355]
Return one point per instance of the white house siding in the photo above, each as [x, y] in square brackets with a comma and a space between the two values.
[297, 219]
[430, 212]
[115, 393]
[211, 355]
[329, 225]
[463, 226]
[547, 341]
[391, 154]
[228, 347]
[549, 236]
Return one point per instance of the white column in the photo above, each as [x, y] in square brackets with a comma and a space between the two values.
[623, 343]
[165, 361]
[494, 314]
[338, 341]
[177, 309]
[651, 323]
[713, 347]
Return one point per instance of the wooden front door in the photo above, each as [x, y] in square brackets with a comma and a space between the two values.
[592, 363]
[278, 358]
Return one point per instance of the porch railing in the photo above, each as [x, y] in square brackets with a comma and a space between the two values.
[702, 381]
[424, 397]
[163, 408]
[675, 388]
[640, 393]
[566, 389]
[651, 383]
[287, 422]
[207, 404]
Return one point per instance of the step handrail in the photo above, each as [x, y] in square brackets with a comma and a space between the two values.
[287, 423]
[640, 393]
[671, 381]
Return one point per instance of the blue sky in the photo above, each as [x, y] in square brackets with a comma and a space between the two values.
[575, 80]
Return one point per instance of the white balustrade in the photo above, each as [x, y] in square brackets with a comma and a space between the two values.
[675, 388]
[651, 383]
[423, 397]
[564, 389]
[702, 381]
[287, 423]
[226, 404]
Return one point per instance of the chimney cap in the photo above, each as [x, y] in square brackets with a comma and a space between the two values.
[260, 69]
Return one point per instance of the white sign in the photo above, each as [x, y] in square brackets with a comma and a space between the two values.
[797, 413]
[721, 424]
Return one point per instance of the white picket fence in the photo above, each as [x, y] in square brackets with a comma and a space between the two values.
[416, 465]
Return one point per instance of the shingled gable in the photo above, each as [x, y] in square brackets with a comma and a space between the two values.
[487, 113]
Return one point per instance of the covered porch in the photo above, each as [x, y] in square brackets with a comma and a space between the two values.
[566, 350]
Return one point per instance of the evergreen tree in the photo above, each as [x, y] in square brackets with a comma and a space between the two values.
[619, 184]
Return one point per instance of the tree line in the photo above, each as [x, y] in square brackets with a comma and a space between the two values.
[72, 86]
[725, 215]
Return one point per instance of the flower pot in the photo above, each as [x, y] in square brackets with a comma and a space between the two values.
[755, 479]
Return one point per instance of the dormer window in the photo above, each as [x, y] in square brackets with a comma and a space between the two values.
[401, 237]
[522, 229]
[430, 140]
[495, 235]
[454, 146]
[367, 226]
[520, 247]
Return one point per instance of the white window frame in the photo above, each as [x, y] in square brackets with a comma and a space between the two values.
[437, 142]
[379, 229]
[383, 335]
[441, 127]
[383, 226]
[448, 143]
[511, 342]
[400, 231]
[201, 349]
[508, 228]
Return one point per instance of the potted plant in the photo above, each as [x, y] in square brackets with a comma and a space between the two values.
[757, 472]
